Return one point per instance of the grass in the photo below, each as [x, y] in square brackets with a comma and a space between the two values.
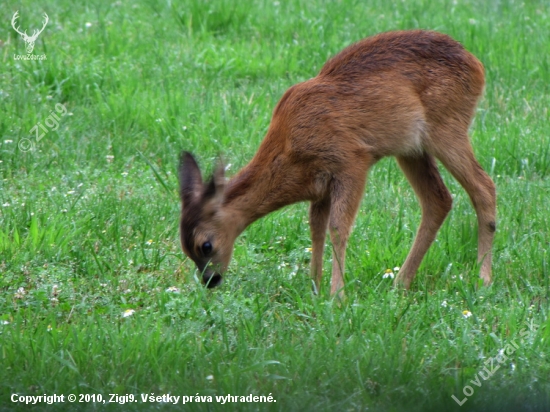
[88, 217]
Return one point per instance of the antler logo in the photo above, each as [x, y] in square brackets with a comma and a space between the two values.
[29, 39]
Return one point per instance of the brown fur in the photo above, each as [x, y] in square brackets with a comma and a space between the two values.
[408, 94]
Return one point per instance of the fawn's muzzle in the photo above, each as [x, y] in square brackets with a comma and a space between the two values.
[211, 279]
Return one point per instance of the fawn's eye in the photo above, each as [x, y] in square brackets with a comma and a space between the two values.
[206, 248]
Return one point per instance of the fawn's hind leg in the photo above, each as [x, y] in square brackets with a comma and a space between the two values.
[458, 157]
[436, 202]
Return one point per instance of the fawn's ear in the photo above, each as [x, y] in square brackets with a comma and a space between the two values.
[190, 179]
[215, 187]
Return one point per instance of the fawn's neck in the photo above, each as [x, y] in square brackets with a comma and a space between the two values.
[267, 183]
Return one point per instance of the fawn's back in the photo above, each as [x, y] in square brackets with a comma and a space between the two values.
[387, 94]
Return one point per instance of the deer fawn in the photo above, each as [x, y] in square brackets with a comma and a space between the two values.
[408, 94]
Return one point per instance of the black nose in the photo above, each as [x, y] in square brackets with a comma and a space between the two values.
[211, 280]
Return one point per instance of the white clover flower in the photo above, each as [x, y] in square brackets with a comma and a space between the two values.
[128, 312]
[388, 274]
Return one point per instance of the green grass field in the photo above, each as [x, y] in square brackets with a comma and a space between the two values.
[89, 247]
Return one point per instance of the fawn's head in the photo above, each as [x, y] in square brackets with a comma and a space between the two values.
[207, 234]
